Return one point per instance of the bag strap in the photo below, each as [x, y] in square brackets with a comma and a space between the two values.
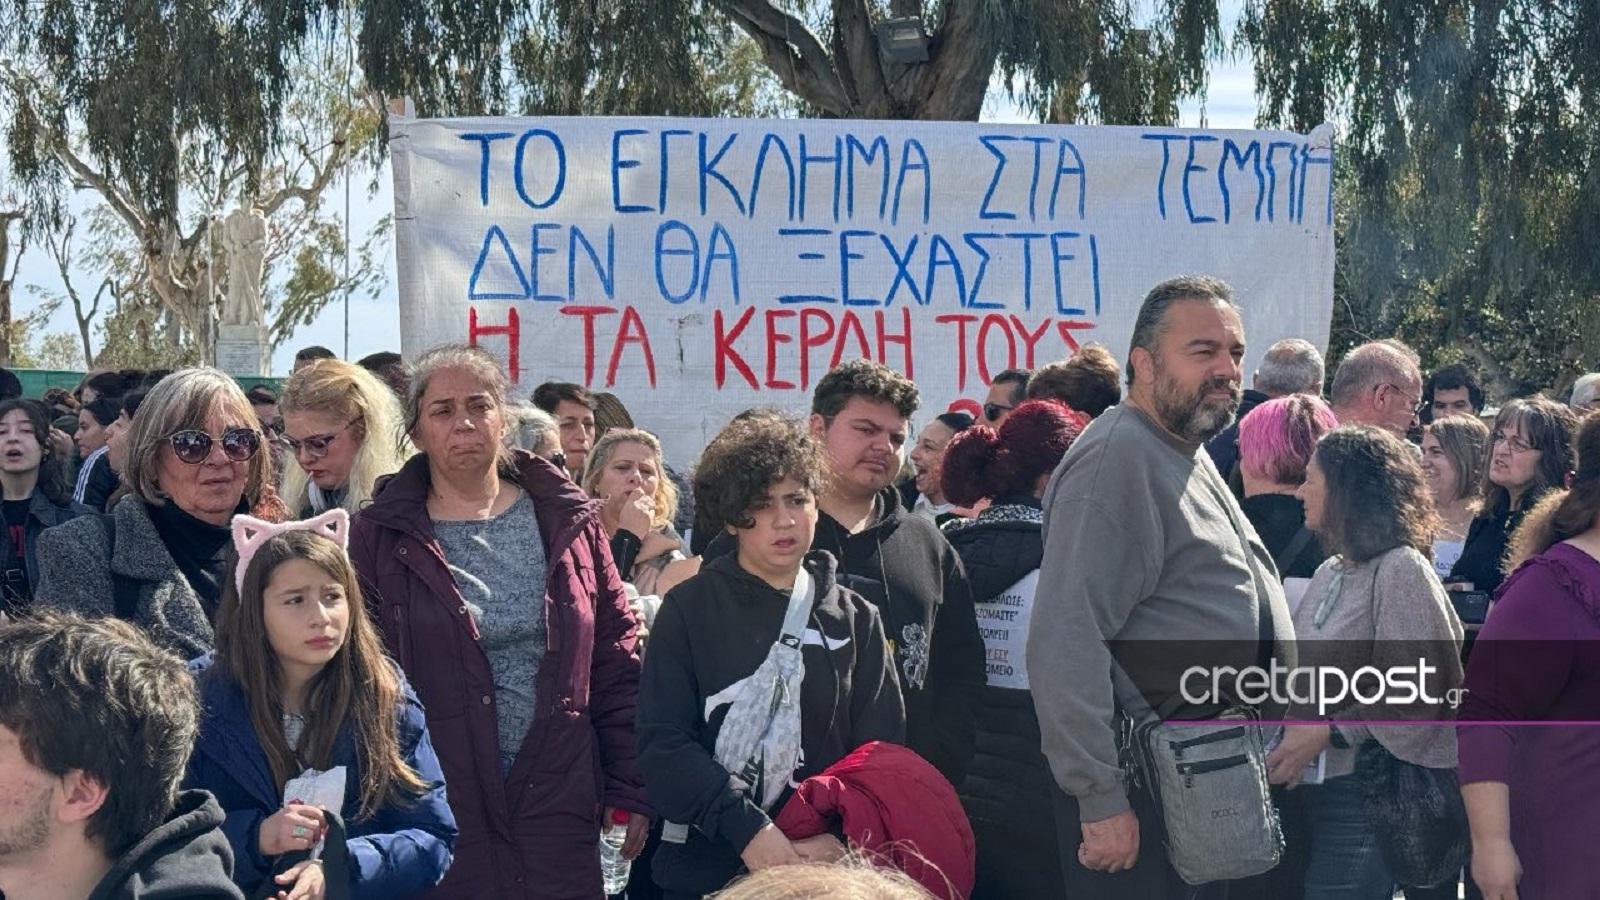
[124, 591]
[794, 626]
[1291, 551]
[794, 621]
[1266, 633]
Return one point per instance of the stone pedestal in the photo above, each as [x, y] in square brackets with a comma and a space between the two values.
[242, 350]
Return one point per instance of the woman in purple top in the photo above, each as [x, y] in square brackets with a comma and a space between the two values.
[1533, 791]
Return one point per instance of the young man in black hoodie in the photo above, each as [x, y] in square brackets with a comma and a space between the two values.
[759, 476]
[96, 726]
[861, 412]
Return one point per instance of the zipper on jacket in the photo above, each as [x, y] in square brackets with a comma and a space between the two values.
[402, 640]
[1226, 734]
[1189, 770]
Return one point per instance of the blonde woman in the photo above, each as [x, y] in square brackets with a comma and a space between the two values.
[1454, 450]
[638, 501]
[342, 427]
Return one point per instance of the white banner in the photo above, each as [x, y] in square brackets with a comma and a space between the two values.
[699, 267]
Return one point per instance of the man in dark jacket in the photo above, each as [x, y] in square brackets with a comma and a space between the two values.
[1290, 366]
[861, 412]
[96, 725]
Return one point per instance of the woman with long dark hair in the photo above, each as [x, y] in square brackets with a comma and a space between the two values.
[36, 497]
[1530, 452]
[96, 480]
[1532, 791]
[1008, 786]
[299, 681]
[1375, 602]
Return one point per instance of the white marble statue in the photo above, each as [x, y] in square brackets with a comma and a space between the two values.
[244, 239]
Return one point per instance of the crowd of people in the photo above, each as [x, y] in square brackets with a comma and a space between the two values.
[393, 632]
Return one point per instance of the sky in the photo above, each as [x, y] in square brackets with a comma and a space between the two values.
[374, 323]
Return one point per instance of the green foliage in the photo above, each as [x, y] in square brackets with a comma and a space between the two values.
[1066, 60]
[154, 235]
[1104, 60]
[1470, 181]
[60, 350]
[212, 74]
[139, 336]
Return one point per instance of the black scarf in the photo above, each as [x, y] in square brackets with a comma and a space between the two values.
[199, 548]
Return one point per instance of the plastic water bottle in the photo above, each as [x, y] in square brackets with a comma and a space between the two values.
[613, 865]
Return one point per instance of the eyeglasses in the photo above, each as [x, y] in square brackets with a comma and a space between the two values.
[1515, 442]
[993, 411]
[1416, 402]
[317, 445]
[194, 446]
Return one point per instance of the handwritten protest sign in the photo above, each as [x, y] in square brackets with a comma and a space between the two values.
[699, 267]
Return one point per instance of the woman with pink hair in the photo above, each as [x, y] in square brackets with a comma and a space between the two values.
[1275, 443]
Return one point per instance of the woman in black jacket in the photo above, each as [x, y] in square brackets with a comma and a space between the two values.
[1530, 452]
[711, 639]
[1007, 790]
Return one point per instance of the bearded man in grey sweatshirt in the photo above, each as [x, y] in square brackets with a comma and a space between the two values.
[1145, 548]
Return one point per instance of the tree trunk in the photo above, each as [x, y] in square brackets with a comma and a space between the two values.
[961, 59]
[6, 281]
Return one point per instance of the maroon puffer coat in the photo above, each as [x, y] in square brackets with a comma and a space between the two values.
[534, 833]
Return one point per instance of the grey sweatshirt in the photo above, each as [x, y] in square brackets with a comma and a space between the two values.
[1386, 612]
[1141, 548]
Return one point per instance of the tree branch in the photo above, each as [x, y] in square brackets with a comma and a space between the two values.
[961, 58]
[861, 65]
[120, 204]
[307, 194]
[792, 52]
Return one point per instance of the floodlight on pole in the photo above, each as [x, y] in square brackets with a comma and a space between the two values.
[903, 40]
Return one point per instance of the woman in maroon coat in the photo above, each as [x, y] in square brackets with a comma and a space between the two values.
[489, 574]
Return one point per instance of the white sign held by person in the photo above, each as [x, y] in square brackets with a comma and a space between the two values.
[696, 268]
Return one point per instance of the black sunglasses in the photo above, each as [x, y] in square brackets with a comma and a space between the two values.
[993, 411]
[316, 446]
[193, 446]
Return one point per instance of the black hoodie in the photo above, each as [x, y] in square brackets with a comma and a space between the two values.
[713, 631]
[185, 858]
[911, 573]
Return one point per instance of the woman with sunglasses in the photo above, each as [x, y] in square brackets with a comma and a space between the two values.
[1530, 452]
[342, 427]
[194, 459]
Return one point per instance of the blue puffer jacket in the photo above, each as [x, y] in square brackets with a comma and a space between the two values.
[400, 852]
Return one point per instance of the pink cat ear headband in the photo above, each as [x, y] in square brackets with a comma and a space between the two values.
[249, 533]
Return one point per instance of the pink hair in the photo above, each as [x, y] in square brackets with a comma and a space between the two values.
[1277, 437]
